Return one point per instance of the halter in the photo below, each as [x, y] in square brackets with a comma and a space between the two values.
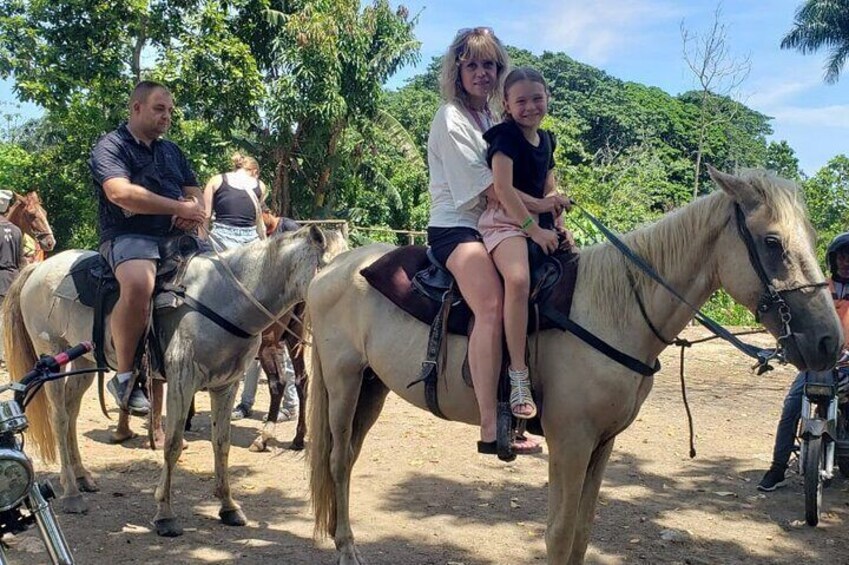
[37, 235]
[772, 296]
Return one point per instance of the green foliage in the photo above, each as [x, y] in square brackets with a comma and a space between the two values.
[781, 158]
[818, 24]
[827, 197]
[722, 308]
[14, 165]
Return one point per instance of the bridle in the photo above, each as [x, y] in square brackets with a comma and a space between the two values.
[772, 297]
[26, 218]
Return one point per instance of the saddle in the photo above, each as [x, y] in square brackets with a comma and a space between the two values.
[414, 281]
[95, 286]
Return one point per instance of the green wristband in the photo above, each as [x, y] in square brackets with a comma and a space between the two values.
[527, 223]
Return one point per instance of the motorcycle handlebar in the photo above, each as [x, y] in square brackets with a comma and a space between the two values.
[53, 364]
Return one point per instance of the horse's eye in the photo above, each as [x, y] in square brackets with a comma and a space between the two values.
[773, 242]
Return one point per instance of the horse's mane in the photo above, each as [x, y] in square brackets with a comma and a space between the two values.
[669, 243]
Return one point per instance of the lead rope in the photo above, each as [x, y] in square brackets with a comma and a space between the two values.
[683, 344]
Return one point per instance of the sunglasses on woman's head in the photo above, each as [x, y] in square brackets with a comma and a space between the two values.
[483, 30]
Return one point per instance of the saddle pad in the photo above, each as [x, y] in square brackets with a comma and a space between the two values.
[83, 279]
[391, 275]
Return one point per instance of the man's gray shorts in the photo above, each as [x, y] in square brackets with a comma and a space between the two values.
[127, 247]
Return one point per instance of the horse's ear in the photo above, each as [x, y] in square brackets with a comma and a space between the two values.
[317, 236]
[741, 191]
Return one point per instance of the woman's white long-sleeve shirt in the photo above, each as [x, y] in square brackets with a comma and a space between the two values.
[456, 158]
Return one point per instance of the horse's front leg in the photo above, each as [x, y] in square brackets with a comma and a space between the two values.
[296, 355]
[271, 367]
[180, 393]
[221, 401]
[589, 497]
[567, 472]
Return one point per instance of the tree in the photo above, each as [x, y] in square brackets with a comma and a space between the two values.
[718, 75]
[781, 158]
[827, 197]
[818, 24]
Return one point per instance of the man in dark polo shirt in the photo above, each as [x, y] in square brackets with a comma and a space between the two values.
[141, 181]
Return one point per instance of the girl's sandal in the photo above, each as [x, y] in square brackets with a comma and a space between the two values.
[520, 394]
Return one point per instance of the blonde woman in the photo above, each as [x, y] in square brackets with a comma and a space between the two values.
[473, 71]
[234, 202]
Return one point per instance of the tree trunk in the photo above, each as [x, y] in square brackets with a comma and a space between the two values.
[323, 180]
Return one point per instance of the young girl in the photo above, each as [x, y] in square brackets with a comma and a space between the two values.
[522, 160]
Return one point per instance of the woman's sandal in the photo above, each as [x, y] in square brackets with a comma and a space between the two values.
[522, 445]
[520, 394]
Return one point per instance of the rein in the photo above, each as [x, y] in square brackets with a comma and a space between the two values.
[761, 355]
[244, 290]
[771, 298]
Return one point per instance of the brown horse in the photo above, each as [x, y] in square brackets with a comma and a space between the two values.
[27, 213]
[363, 346]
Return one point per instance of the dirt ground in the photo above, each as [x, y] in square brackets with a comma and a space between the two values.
[421, 495]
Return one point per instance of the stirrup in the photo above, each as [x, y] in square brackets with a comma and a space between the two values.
[520, 393]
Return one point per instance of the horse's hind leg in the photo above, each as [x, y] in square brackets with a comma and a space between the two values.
[75, 388]
[354, 408]
[58, 398]
[589, 496]
[221, 401]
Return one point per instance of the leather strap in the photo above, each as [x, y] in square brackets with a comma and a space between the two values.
[431, 366]
[209, 313]
[595, 342]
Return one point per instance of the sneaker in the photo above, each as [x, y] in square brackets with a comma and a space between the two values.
[287, 415]
[240, 412]
[773, 479]
[138, 403]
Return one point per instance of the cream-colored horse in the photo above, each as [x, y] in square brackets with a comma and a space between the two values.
[198, 353]
[364, 346]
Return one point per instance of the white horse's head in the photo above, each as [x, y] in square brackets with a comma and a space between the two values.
[769, 265]
[313, 249]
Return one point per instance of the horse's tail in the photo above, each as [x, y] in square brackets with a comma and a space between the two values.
[323, 491]
[20, 359]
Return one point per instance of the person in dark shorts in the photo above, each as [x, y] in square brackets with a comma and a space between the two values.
[473, 69]
[141, 182]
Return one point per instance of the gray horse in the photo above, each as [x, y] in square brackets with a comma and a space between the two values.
[198, 353]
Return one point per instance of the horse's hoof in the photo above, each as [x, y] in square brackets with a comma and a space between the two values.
[234, 517]
[258, 446]
[168, 528]
[120, 436]
[87, 484]
[74, 504]
[351, 557]
[297, 444]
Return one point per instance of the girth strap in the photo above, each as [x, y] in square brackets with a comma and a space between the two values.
[208, 313]
[433, 364]
[595, 342]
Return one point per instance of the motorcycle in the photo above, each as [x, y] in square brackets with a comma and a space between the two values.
[823, 434]
[24, 500]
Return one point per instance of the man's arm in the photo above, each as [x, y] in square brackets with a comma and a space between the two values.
[137, 199]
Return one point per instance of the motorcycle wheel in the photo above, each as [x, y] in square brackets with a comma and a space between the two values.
[814, 463]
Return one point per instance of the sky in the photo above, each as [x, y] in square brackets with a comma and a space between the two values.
[640, 40]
